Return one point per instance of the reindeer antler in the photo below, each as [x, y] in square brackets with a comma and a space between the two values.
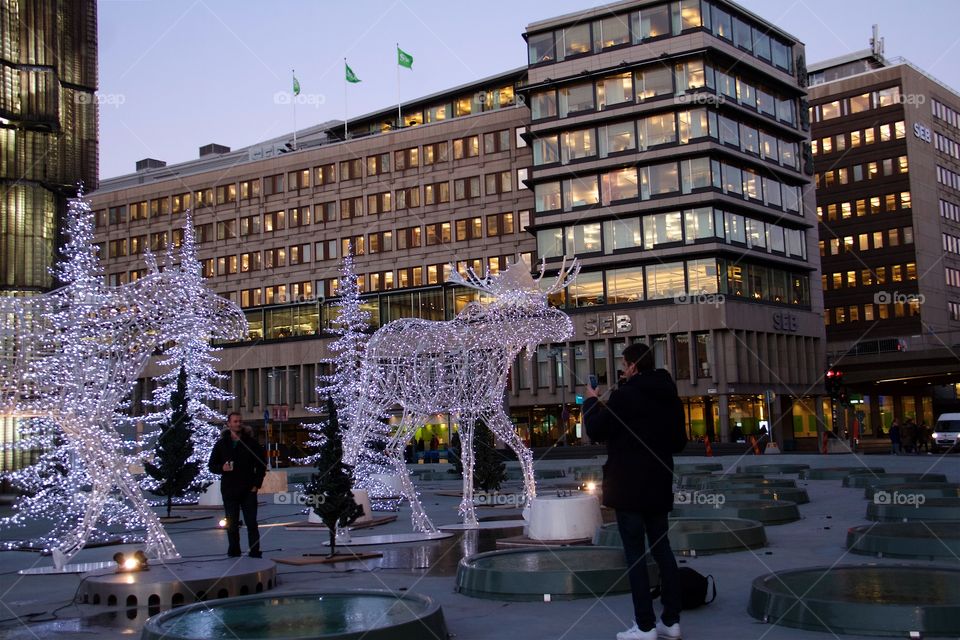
[471, 280]
[564, 277]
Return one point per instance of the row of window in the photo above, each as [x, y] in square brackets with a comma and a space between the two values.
[871, 312]
[860, 172]
[949, 211]
[664, 180]
[949, 178]
[862, 206]
[685, 282]
[954, 310]
[664, 129]
[704, 224]
[953, 277]
[946, 145]
[661, 81]
[482, 101]
[882, 133]
[655, 22]
[951, 243]
[945, 113]
[867, 241]
[855, 104]
[869, 277]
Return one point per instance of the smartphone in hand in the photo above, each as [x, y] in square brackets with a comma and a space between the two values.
[593, 382]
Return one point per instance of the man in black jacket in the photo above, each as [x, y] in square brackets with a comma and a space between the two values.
[641, 423]
[242, 464]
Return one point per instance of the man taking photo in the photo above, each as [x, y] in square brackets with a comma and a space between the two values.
[643, 425]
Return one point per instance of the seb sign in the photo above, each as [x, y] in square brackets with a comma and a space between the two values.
[922, 132]
[786, 322]
[607, 324]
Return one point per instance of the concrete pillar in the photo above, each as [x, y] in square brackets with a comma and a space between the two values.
[723, 407]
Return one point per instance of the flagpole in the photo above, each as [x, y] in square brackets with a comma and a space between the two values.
[399, 116]
[294, 101]
[345, 98]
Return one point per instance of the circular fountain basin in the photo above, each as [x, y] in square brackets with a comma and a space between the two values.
[773, 469]
[539, 574]
[747, 492]
[692, 467]
[763, 511]
[698, 535]
[926, 489]
[863, 600]
[917, 540]
[907, 508]
[697, 479]
[836, 473]
[341, 615]
[755, 483]
[864, 480]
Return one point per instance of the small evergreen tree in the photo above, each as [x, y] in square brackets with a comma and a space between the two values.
[456, 453]
[330, 489]
[175, 472]
[489, 470]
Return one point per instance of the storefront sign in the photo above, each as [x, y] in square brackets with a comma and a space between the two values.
[607, 324]
[785, 321]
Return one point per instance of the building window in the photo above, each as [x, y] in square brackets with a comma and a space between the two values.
[378, 203]
[351, 208]
[438, 233]
[273, 184]
[272, 259]
[465, 188]
[468, 147]
[326, 250]
[499, 224]
[496, 141]
[380, 242]
[325, 212]
[325, 174]
[500, 182]
[624, 285]
[378, 164]
[433, 153]
[408, 198]
[576, 98]
[406, 158]
[437, 193]
[409, 238]
[249, 189]
[274, 221]
[351, 169]
[299, 254]
[352, 246]
[249, 261]
[226, 265]
[469, 229]
[299, 217]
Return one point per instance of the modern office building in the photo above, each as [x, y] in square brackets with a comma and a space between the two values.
[662, 143]
[887, 156]
[668, 154]
[48, 140]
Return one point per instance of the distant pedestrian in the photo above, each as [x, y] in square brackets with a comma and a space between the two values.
[908, 436]
[895, 438]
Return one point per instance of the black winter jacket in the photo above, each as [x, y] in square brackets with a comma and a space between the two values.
[636, 422]
[249, 464]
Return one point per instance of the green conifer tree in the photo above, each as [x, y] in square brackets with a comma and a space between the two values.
[489, 470]
[329, 491]
[174, 472]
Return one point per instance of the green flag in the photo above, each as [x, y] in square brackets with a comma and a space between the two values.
[351, 76]
[404, 59]
[296, 86]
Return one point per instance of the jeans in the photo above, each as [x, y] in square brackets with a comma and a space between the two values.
[232, 507]
[633, 525]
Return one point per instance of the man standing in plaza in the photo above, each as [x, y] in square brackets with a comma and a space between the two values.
[241, 463]
[642, 423]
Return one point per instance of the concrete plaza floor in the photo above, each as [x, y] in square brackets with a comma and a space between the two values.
[33, 607]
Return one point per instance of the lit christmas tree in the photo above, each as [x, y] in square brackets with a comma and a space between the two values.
[193, 353]
[345, 387]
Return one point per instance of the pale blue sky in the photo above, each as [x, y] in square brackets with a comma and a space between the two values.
[178, 74]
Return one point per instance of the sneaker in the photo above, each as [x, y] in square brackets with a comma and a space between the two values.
[634, 633]
[672, 632]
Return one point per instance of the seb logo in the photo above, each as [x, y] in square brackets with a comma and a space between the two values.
[606, 324]
[784, 321]
[922, 132]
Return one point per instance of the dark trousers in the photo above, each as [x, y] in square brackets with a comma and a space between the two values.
[232, 506]
[633, 525]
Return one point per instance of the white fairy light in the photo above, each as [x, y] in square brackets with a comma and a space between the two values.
[461, 367]
[74, 354]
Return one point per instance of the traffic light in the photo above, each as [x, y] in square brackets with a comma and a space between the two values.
[833, 381]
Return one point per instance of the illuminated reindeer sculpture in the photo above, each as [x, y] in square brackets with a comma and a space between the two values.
[74, 354]
[460, 367]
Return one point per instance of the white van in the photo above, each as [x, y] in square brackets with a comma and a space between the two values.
[946, 433]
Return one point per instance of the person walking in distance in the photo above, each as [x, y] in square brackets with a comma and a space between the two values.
[242, 464]
[642, 424]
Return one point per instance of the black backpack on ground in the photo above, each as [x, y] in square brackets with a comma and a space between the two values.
[694, 587]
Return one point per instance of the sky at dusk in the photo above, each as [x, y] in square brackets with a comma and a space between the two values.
[178, 74]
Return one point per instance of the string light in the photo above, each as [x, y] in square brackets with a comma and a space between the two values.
[73, 355]
[460, 367]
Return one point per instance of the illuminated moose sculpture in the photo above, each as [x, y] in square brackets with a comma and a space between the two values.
[460, 367]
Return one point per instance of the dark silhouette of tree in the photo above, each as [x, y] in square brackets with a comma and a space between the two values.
[174, 472]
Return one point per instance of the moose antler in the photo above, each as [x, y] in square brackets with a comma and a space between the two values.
[564, 278]
[471, 280]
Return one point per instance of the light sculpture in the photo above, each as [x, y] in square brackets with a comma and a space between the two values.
[74, 354]
[460, 367]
